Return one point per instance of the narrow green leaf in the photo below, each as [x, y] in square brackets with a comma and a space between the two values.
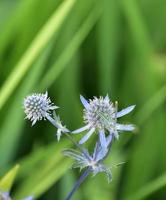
[151, 105]
[108, 44]
[41, 40]
[15, 114]
[149, 189]
[44, 170]
[71, 48]
[7, 181]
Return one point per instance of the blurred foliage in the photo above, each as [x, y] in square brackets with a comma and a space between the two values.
[7, 180]
[90, 47]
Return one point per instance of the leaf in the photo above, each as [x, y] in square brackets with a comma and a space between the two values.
[44, 167]
[7, 181]
[44, 36]
[71, 48]
[149, 188]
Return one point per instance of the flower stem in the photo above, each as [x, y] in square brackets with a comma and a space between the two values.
[78, 183]
[53, 122]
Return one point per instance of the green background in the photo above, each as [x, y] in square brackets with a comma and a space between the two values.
[93, 48]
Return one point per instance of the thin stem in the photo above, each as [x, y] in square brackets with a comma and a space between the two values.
[53, 122]
[78, 183]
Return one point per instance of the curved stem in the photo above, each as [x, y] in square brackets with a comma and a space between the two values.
[78, 183]
[53, 122]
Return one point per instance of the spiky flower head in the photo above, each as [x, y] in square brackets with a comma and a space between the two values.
[38, 106]
[100, 113]
[100, 116]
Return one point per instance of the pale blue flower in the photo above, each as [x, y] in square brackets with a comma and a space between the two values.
[94, 161]
[100, 115]
[38, 106]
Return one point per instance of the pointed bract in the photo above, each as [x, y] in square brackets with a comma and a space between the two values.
[84, 102]
[125, 111]
[87, 136]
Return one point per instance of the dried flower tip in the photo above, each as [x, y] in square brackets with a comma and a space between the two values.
[37, 107]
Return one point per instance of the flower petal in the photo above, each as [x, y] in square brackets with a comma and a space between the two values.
[125, 111]
[84, 128]
[84, 102]
[107, 98]
[125, 127]
[87, 136]
[109, 139]
[102, 139]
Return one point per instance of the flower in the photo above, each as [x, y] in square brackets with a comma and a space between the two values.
[100, 115]
[94, 161]
[37, 107]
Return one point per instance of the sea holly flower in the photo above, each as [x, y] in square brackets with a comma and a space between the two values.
[100, 115]
[92, 162]
[39, 106]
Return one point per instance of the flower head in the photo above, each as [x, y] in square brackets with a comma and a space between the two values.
[100, 115]
[94, 161]
[37, 107]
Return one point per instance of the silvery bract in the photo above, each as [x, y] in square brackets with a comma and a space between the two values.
[94, 161]
[100, 115]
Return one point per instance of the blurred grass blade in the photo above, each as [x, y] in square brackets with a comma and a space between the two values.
[41, 40]
[108, 44]
[7, 181]
[149, 189]
[71, 48]
[142, 43]
[52, 167]
[151, 105]
[16, 18]
[11, 132]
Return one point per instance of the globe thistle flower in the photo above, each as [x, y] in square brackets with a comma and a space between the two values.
[38, 107]
[94, 161]
[100, 115]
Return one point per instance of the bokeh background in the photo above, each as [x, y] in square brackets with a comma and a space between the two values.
[93, 48]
